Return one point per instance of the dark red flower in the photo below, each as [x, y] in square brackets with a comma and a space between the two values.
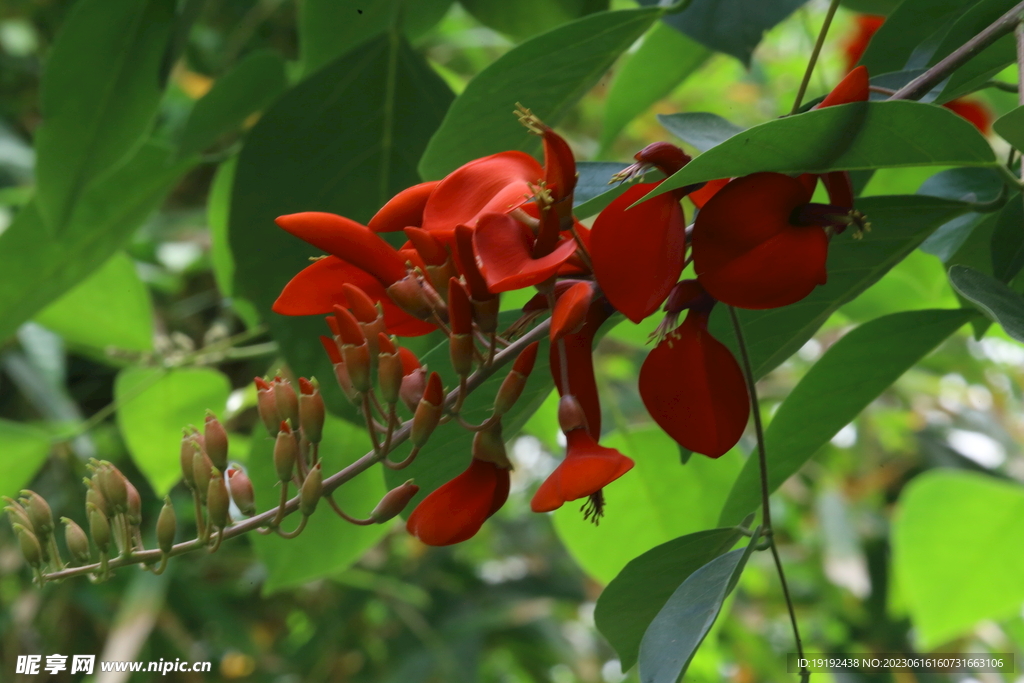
[571, 308]
[455, 511]
[853, 88]
[579, 358]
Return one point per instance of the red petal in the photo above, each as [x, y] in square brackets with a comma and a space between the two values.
[491, 184]
[973, 111]
[840, 188]
[559, 165]
[710, 189]
[853, 88]
[855, 45]
[638, 253]
[404, 209]
[409, 360]
[587, 468]
[460, 310]
[430, 250]
[465, 259]
[694, 389]
[503, 253]
[571, 310]
[347, 240]
[579, 356]
[456, 511]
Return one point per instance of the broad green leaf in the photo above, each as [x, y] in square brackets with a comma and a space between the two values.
[656, 501]
[664, 59]
[345, 140]
[963, 184]
[329, 544]
[548, 74]
[899, 223]
[851, 374]
[593, 189]
[919, 281]
[330, 28]
[680, 627]
[631, 601]
[25, 450]
[36, 267]
[249, 87]
[1008, 239]
[862, 135]
[109, 308]
[99, 96]
[976, 253]
[525, 18]
[700, 129]
[734, 27]
[912, 23]
[154, 405]
[1010, 127]
[218, 208]
[955, 553]
[996, 300]
[983, 65]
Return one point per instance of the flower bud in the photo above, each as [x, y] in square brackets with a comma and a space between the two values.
[30, 547]
[99, 528]
[570, 414]
[166, 526]
[512, 388]
[266, 404]
[94, 497]
[460, 310]
[287, 401]
[240, 487]
[428, 412]
[413, 386]
[77, 542]
[368, 314]
[16, 514]
[311, 410]
[218, 502]
[410, 295]
[134, 509]
[285, 453]
[461, 349]
[311, 491]
[340, 371]
[216, 439]
[39, 512]
[357, 365]
[187, 450]
[393, 502]
[485, 313]
[489, 446]
[112, 486]
[201, 467]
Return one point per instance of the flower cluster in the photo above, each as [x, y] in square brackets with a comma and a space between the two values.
[505, 222]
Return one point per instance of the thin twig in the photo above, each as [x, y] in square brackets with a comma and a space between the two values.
[814, 56]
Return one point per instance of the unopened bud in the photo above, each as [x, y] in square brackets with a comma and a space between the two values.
[39, 512]
[489, 446]
[485, 313]
[201, 467]
[266, 404]
[285, 453]
[357, 365]
[460, 310]
[218, 502]
[134, 510]
[461, 348]
[16, 514]
[77, 542]
[240, 487]
[570, 414]
[413, 386]
[393, 502]
[166, 526]
[512, 387]
[94, 497]
[187, 450]
[112, 486]
[389, 371]
[311, 410]
[368, 315]
[287, 401]
[311, 491]
[216, 441]
[428, 412]
[30, 548]
[410, 295]
[99, 528]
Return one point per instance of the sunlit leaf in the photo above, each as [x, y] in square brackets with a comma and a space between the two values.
[25, 450]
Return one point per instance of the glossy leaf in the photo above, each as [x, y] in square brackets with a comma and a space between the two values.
[548, 74]
[986, 63]
[955, 528]
[900, 223]
[99, 96]
[525, 18]
[154, 405]
[734, 27]
[635, 596]
[109, 308]
[1008, 239]
[664, 59]
[905, 31]
[286, 168]
[962, 184]
[25, 450]
[699, 129]
[656, 501]
[675, 634]
[329, 545]
[862, 135]
[1010, 127]
[996, 300]
[852, 373]
[593, 189]
[252, 85]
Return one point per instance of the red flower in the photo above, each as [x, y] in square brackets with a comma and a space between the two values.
[855, 44]
[504, 250]
[456, 511]
[973, 111]
[853, 88]
[579, 358]
[403, 210]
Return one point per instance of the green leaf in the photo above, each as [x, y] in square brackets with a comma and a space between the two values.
[344, 140]
[329, 545]
[633, 599]
[986, 63]
[593, 189]
[954, 552]
[664, 59]
[99, 96]
[734, 27]
[524, 18]
[154, 405]
[25, 451]
[917, 282]
[700, 129]
[548, 74]
[962, 184]
[900, 223]
[848, 137]
[330, 28]
[656, 501]
[910, 24]
[36, 267]
[996, 300]
[109, 308]
[851, 374]
[870, 6]
[675, 634]
[248, 88]
[218, 207]
[1008, 239]
[1011, 127]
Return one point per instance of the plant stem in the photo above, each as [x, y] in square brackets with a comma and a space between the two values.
[920, 86]
[762, 458]
[814, 56]
[1019, 33]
